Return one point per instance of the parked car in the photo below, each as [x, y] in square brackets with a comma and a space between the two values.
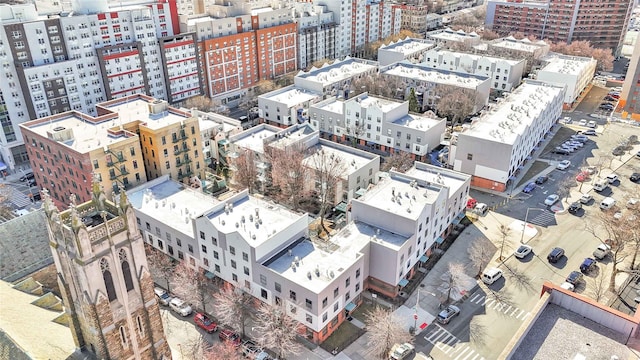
[522, 251]
[163, 297]
[27, 176]
[205, 322]
[617, 151]
[563, 165]
[635, 177]
[180, 307]
[402, 352]
[555, 255]
[529, 188]
[582, 176]
[580, 137]
[574, 277]
[568, 286]
[591, 170]
[601, 251]
[228, 336]
[471, 203]
[590, 132]
[609, 98]
[551, 199]
[250, 349]
[612, 178]
[561, 151]
[586, 198]
[567, 120]
[575, 207]
[588, 265]
[542, 179]
[582, 122]
[490, 276]
[447, 314]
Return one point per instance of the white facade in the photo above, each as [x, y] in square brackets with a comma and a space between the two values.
[334, 79]
[523, 47]
[286, 106]
[574, 72]
[381, 123]
[497, 143]
[342, 11]
[504, 74]
[317, 33]
[408, 49]
[448, 37]
[214, 129]
[425, 81]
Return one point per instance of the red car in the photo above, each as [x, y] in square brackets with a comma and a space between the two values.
[205, 323]
[228, 336]
[471, 203]
[583, 176]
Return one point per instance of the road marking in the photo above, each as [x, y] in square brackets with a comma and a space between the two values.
[526, 316]
[471, 353]
[477, 298]
[520, 314]
[514, 311]
[498, 305]
[509, 308]
[462, 353]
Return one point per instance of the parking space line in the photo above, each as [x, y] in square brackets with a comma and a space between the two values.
[463, 352]
[471, 353]
[520, 314]
[514, 311]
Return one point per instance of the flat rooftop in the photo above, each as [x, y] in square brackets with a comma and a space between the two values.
[509, 119]
[383, 104]
[477, 57]
[288, 137]
[332, 105]
[137, 109]
[421, 72]
[253, 138]
[330, 260]
[417, 122]
[519, 45]
[451, 35]
[292, 96]
[400, 196]
[576, 336]
[435, 175]
[171, 203]
[408, 46]
[352, 161]
[256, 220]
[337, 71]
[572, 65]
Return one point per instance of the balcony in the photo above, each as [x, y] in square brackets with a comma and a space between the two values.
[184, 174]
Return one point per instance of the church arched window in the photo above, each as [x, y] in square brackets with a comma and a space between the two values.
[108, 280]
[126, 270]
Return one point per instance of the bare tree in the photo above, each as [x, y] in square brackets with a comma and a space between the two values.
[288, 172]
[222, 351]
[452, 279]
[5, 204]
[251, 98]
[480, 253]
[505, 233]
[278, 331]
[329, 170]
[615, 233]
[161, 265]
[190, 284]
[399, 161]
[478, 333]
[233, 308]
[384, 329]
[585, 49]
[201, 103]
[454, 104]
[598, 288]
[245, 172]
[564, 188]
[518, 278]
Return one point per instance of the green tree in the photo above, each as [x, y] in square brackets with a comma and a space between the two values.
[413, 102]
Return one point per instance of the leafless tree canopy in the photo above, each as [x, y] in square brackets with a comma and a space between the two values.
[202, 103]
[454, 104]
[288, 173]
[399, 161]
[378, 85]
[221, 351]
[585, 49]
[277, 330]
[598, 288]
[453, 278]
[233, 308]
[505, 232]
[329, 170]
[480, 253]
[245, 173]
[384, 329]
[190, 284]
[161, 265]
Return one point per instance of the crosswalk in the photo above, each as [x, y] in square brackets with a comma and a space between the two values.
[450, 345]
[544, 219]
[500, 307]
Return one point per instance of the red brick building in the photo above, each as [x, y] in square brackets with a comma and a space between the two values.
[602, 22]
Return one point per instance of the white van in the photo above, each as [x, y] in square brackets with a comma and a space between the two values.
[607, 203]
[600, 185]
[611, 178]
[490, 276]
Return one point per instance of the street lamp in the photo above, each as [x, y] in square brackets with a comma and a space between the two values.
[415, 315]
[524, 226]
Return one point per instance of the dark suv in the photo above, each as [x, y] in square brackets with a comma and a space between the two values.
[587, 265]
[228, 336]
[555, 254]
[574, 277]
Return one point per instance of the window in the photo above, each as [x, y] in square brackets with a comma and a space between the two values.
[469, 156]
[234, 277]
[178, 242]
[335, 293]
[347, 282]
[190, 248]
[263, 293]
[232, 250]
[324, 303]
[217, 268]
[358, 270]
[292, 295]
[357, 287]
[215, 255]
[335, 307]
[245, 256]
[123, 337]
[233, 264]
[263, 280]
[108, 280]
[126, 271]
[308, 303]
[347, 296]
[309, 319]
[202, 235]
[180, 255]
[206, 262]
[204, 249]
[278, 287]
[140, 327]
[214, 241]
[246, 270]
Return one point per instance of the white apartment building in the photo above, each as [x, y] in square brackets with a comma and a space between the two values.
[377, 124]
[334, 79]
[412, 50]
[524, 47]
[317, 33]
[215, 130]
[286, 106]
[574, 72]
[496, 145]
[504, 74]
[450, 38]
[426, 82]
[263, 248]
